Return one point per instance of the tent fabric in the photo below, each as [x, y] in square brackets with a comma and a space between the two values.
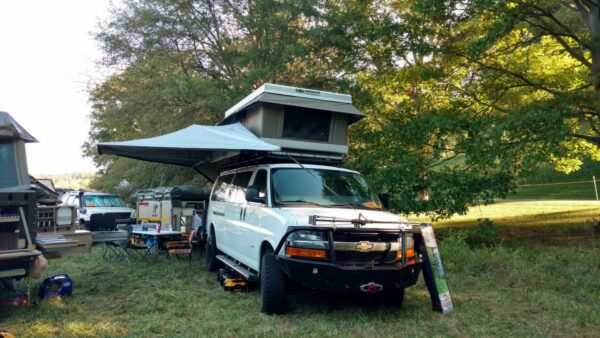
[347, 108]
[190, 146]
[12, 130]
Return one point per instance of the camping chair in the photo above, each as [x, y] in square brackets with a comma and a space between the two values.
[181, 248]
[125, 250]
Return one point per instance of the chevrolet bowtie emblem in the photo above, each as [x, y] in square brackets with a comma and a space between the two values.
[364, 246]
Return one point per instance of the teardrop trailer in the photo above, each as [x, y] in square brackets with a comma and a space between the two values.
[281, 208]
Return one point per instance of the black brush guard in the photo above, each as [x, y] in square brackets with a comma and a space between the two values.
[341, 276]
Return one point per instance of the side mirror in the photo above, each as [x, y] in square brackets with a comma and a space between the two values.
[385, 200]
[252, 195]
[82, 210]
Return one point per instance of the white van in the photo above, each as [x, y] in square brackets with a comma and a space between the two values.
[321, 226]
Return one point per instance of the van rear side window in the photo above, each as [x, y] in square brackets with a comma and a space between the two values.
[223, 189]
[240, 183]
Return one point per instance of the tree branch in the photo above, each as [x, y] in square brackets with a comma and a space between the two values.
[593, 139]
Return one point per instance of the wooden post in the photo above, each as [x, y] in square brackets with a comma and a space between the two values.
[595, 188]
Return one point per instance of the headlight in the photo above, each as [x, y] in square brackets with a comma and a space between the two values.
[64, 216]
[307, 244]
[308, 239]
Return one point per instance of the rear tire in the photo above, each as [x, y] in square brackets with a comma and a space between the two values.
[273, 286]
[211, 263]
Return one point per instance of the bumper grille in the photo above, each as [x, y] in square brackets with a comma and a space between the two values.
[108, 221]
[366, 248]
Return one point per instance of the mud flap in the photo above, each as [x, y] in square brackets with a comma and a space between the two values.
[433, 272]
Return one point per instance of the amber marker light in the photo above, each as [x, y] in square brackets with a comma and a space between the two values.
[409, 254]
[305, 253]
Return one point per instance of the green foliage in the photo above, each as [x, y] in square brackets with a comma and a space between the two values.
[182, 63]
[461, 97]
[74, 181]
[487, 231]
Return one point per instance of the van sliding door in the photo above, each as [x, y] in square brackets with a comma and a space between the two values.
[238, 235]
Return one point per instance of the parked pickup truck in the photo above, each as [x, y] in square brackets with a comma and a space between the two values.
[98, 211]
[320, 226]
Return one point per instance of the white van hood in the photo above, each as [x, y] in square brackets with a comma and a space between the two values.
[300, 215]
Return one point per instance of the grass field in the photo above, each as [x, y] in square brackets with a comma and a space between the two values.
[529, 286]
[547, 221]
[579, 191]
[582, 190]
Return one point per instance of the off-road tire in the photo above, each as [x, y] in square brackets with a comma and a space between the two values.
[211, 263]
[273, 286]
[7, 284]
[394, 298]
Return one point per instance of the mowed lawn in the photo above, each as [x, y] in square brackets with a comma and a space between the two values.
[524, 286]
[578, 191]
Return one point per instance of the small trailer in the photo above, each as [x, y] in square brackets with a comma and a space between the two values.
[176, 207]
[31, 222]
[17, 205]
[57, 233]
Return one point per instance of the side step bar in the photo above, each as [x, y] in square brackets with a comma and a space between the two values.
[249, 276]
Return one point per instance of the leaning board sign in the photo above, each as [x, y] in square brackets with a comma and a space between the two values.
[435, 276]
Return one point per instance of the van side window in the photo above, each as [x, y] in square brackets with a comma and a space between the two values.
[260, 180]
[222, 189]
[240, 182]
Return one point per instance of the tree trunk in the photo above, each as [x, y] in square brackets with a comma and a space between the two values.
[594, 26]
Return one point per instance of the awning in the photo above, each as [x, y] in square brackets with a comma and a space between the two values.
[195, 146]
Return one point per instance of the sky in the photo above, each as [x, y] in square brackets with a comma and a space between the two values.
[47, 60]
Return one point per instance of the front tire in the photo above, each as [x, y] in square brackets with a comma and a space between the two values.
[211, 263]
[394, 298]
[273, 286]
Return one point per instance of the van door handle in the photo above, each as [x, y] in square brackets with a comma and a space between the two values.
[218, 213]
[241, 213]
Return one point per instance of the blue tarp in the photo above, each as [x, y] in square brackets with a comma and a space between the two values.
[194, 146]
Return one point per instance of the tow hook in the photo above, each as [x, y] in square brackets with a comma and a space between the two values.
[371, 287]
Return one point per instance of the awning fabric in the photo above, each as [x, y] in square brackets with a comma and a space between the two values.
[11, 129]
[192, 146]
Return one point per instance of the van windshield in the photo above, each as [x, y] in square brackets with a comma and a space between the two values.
[310, 186]
[102, 201]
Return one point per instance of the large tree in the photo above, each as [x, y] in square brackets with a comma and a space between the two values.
[461, 97]
[178, 62]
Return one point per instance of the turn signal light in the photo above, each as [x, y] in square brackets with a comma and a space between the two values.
[409, 254]
[306, 253]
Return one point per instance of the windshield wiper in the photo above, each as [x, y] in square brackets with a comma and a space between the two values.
[353, 206]
[350, 205]
[305, 202]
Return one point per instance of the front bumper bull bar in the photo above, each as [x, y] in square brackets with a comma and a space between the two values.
[335, 276]
[329, 275]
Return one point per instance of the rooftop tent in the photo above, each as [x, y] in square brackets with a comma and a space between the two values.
[297, 119]
[298, 97]
[12, 130]
[13, 159]
[196, 146]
